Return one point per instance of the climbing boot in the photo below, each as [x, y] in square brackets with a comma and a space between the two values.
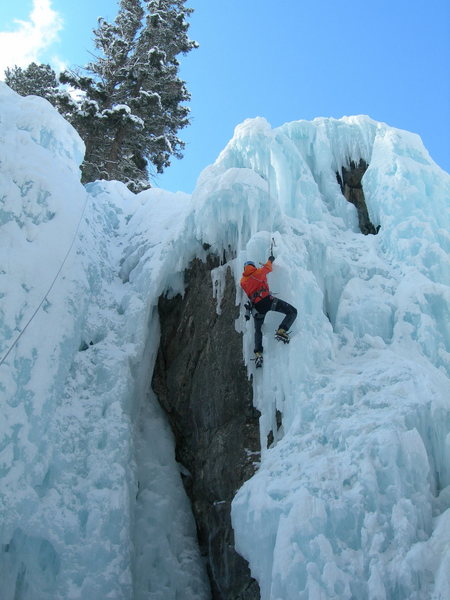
[258, 359]
[282, 336]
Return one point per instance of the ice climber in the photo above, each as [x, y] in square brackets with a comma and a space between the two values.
[254, 283]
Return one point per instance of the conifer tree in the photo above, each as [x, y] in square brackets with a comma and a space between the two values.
[129, 103]
[39, 80]
[133, 104]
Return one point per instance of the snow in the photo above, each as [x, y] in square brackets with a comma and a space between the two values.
[87, 461]
[351, 500]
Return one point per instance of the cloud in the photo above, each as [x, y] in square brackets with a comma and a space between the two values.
[30, 38]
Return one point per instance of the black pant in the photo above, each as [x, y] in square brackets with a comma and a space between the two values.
[262, 307]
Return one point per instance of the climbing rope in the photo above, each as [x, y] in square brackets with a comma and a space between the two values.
[50, 288]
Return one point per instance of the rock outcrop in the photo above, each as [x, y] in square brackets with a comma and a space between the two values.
[202, 384]
[350, 181]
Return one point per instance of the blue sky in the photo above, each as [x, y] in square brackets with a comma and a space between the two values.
[285, 60]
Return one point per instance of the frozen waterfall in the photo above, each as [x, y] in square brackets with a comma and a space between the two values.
[352, 495]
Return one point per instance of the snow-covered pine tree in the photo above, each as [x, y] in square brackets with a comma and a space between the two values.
[133, 105]
[39, 80]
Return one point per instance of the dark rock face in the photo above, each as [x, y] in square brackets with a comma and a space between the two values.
[350, 182]
[202, 384]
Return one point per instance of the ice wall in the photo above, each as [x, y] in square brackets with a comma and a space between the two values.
[352, 498]
[91, 501]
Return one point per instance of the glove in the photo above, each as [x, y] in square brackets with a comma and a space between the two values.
[271, 258]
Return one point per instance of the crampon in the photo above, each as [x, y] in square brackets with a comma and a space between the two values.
[282, 336]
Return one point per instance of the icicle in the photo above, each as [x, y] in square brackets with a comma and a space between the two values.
[218, 282]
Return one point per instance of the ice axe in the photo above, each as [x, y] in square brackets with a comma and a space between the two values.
[272, 244]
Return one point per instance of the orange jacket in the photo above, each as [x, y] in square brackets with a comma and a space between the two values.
[254, 282]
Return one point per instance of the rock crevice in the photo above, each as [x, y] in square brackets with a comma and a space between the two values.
[350, 180]
[202, 384]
